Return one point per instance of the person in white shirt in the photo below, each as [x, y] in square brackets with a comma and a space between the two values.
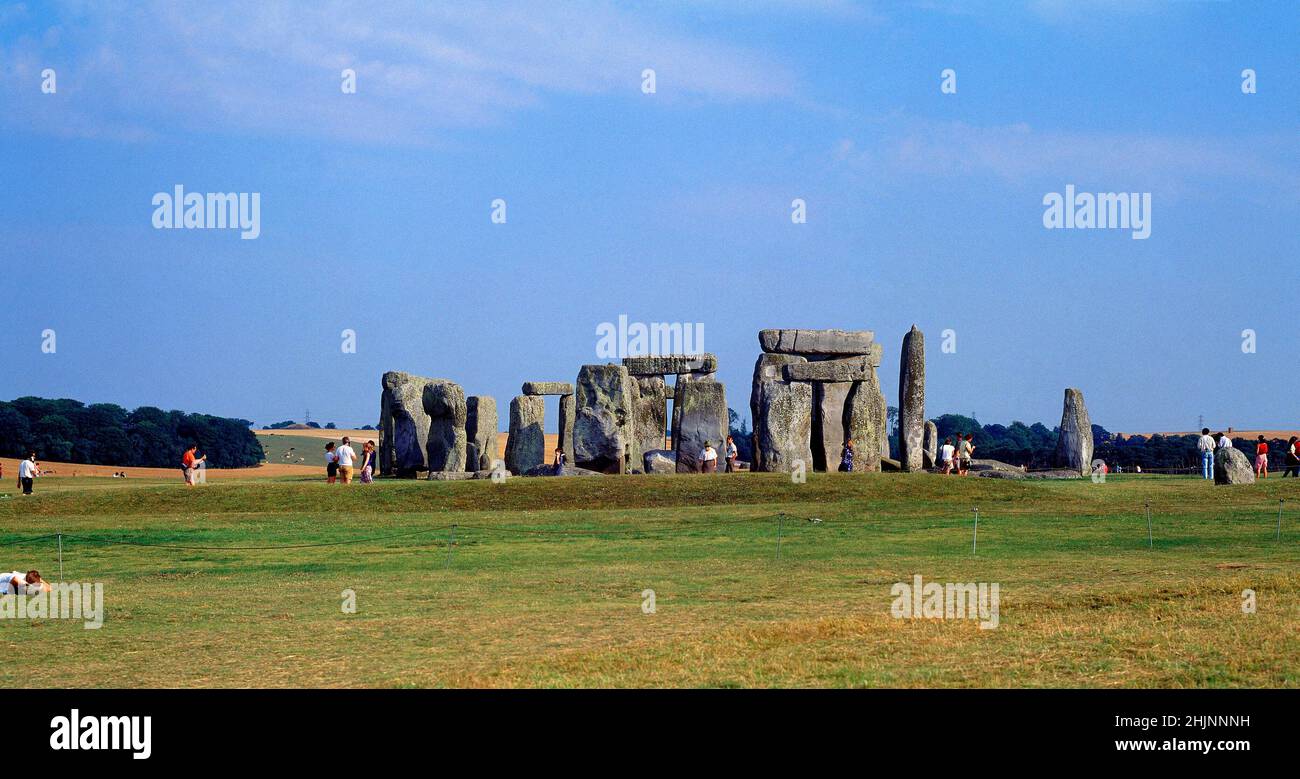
[732, 454]
[945, 455]
[1225, 442]
[1206, 447]
[17, 582]
[27, 471]
[345, 456]
[708, 459]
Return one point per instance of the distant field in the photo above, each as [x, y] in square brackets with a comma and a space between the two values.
[541, 581]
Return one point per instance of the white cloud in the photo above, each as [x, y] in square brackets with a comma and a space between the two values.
[262, 68]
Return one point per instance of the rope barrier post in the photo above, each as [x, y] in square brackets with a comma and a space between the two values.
[1150, 540]
[451, 540]
[60, 556]
[780, 520]
[1280, 501]
[974, 541]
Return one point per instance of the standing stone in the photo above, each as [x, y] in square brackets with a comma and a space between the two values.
[568, 412]
[444, 403]
[651, 421]
[911, 401]
[931, 444]
[828, 431]
[403, 424]
[526, 442]
[481, 432]
[700, 408]
[1074, 443]
[603, 437]
[882, 417]
[862, 423]
[782, 413]
[1232, 467]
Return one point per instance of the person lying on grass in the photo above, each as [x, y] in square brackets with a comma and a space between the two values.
[22, 583]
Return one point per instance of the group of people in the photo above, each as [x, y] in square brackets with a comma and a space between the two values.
[708, 459]
[341, 462]
[955, 459]
[1207, 445]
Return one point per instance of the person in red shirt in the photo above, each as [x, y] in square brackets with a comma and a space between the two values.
[1261, 458]
[188, 463]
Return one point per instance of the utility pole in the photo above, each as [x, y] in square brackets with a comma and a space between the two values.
[307, 421]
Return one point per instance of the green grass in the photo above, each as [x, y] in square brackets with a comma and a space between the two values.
[542, 584]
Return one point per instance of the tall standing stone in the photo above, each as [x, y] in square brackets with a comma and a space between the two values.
[526, 443]
[911, 402]
[568, 413]
[782, 414]
[603, 436]
[651, 422]
[931, 444]
[403, 424]
[481, 426]
[700, 408]
[444, 403]
[863, 422]
[1074, 442]
[828, 429]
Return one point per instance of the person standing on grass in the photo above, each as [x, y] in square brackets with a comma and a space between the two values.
[732, 454]
[846, 457]
[28, 470]
[331, 463]
[368, 462]
[189, 462]
[946, 453]
[708, 458]
[1261, 458]
[964, 451]
[1205, 445]
[346, 455]
[1292, 459]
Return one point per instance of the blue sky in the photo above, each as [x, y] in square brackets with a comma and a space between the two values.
[923, 207]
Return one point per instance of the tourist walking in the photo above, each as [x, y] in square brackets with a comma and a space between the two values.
[190, 462]
[28, 470]
[946, 453]
[368, 462]
[1205, 445]
[965, 448]
[346, 455]
[846, 457]
[708, 458]
[331, 463]
[732, 454]
[1261, 458]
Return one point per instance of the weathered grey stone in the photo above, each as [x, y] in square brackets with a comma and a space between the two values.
[661, 365]
[403, 424]
[444, 403]
[930, 444]
[547, 388]
[818, 342]
[603, 436]
[551, 470]
[839, 369]
[828, 431]
[568, 413]
[911, 401]
[783, 426]
[1232, 467]
[890, 464]
[882, 416]
[526, 443]
[481, 427]
[863, 423]
[700, 408]
[651, 420]
[1074, 442]
[659, 461]
[768, 369]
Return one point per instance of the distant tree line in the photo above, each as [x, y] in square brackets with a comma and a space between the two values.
[106, 434]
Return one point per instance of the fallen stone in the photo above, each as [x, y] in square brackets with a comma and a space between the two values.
[700, 408]
[603, 436]
[526, 443]
[674, 364]
[816, 342]
[1232, 467]
[551, 470]
[890, 464]
[547, 388]
[911, 401]
[481, 427]
[1074, 443]
[444, 403]
[782, 414]
[660, 461]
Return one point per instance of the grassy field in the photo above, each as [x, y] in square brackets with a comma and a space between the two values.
[542, 582]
